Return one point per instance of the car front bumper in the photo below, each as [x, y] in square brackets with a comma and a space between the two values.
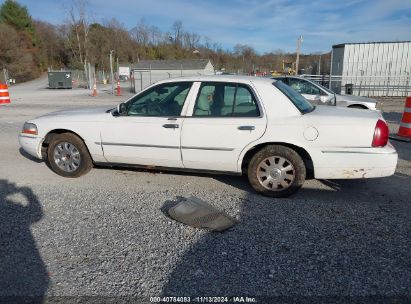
[31, 144]
[350, 163]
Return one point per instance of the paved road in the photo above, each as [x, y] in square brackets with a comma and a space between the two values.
[104, 234]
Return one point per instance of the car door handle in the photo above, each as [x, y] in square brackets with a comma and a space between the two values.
[246, 128]
[171, 126]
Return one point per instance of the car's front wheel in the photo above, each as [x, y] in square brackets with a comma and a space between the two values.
[68, 156]
[276, 171]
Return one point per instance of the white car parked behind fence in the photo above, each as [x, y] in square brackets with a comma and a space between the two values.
[317, 94]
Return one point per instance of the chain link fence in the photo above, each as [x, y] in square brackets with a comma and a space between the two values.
[86, 78]
[372, 86]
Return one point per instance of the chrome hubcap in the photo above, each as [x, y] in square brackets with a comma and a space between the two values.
[275, 173]
[67, 156]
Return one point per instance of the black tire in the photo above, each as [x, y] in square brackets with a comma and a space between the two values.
[85, 163]
[278, 152]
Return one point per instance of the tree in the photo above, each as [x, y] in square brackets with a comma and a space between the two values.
[18, 17]
[190, 40]
[177, 29]
[51, 51]
[155, 35]
[247, 55]
[141, 33]
[28, 47]
[19, 53]
[77, 31]
[14, 55]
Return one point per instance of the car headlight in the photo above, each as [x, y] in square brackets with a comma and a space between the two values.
[29, 128]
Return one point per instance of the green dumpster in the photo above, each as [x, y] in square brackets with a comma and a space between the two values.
[60, 80]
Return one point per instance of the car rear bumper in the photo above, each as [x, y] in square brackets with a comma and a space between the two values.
[349, 163]
[31, 144]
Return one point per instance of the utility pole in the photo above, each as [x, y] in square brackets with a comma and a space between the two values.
[89, 75]
[86, 74]
[319, 66]
[331, 68]
[111, 72]
[299, 41]
[6, 80]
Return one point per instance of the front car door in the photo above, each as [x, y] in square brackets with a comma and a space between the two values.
[150, 132]
[221, 121]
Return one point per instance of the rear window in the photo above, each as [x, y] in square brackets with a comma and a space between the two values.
[297, 99]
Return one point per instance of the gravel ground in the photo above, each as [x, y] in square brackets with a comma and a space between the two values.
[105, 235]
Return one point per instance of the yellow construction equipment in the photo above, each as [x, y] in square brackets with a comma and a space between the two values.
[288, 68]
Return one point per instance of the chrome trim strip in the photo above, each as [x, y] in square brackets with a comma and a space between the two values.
[26, 136]
[164, 147]
[207, 148]
[356, 152]
[139, 145]
[405, 125]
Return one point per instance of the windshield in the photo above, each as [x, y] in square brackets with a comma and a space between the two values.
[299, 101]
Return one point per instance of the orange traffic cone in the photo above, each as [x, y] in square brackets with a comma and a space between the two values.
[404, 132]
[118, 88]
[94, 92]
[4, 93]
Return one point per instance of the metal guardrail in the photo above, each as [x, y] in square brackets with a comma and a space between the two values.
[386, 85]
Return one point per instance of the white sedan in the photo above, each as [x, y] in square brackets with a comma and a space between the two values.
[317, 94]
[226, 124]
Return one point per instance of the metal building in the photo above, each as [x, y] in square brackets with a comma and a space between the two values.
[372, 68]
[147, 72]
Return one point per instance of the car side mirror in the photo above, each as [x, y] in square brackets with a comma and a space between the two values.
[122, 109]
[324, 99]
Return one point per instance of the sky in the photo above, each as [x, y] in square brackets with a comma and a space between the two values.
[266, 25]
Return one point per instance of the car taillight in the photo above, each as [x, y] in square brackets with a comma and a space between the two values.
[381, 134]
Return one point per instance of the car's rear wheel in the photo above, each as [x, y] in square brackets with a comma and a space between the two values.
[68, 156]
[276, 171]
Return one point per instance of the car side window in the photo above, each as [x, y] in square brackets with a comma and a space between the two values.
[245, 104]
[303, 87]
[283, 79]
[163, 100]
[225, 100]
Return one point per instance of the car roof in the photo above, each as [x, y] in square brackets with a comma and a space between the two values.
[221, 78]
[287, 76]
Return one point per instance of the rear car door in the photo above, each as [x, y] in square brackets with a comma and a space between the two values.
[225, 117]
